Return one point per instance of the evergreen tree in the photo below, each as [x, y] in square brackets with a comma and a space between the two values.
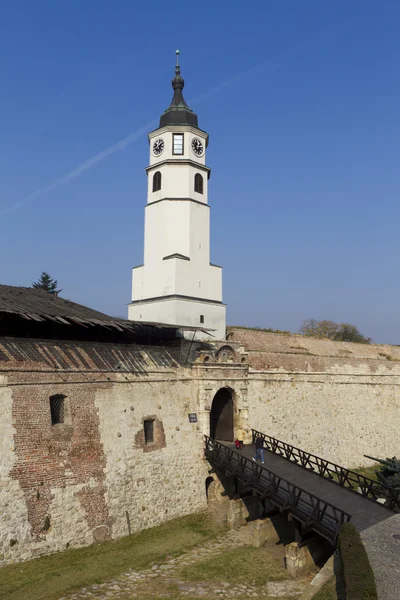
[45, 282]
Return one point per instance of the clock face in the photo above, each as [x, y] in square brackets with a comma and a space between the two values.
[158, 147]
[197, 147]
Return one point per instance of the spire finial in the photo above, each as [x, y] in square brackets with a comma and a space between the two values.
[177, 67]
[178, 112]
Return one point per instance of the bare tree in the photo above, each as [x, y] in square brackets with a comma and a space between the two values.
[340, 332]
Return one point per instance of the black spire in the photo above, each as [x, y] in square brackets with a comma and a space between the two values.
[178, 112]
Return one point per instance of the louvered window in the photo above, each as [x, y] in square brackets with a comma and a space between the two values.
[178, 143]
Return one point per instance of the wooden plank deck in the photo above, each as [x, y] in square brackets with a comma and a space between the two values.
[364, 512]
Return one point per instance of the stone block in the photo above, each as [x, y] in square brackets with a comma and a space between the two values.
[263, 532]
[100, 534]
[303, 558]
[237, 514]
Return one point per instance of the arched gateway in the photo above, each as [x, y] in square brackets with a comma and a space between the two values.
[221, 416]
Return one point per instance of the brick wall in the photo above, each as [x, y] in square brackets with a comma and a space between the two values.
[93, 477]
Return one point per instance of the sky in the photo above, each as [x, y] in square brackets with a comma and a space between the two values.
[302, 104]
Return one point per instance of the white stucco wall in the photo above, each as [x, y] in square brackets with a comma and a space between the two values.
[177, 221]
[183, 312]
[177, 181]
[166, 134]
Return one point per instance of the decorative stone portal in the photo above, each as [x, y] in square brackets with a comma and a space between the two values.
[221, 416]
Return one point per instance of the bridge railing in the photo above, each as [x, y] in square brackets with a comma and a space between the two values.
[344, 477]
[323, 517]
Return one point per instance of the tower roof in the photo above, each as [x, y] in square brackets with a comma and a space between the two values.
[178, 112]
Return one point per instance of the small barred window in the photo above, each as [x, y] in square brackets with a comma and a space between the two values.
[57, 409]
[149, 432]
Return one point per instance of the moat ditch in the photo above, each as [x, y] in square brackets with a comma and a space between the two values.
[192, 557]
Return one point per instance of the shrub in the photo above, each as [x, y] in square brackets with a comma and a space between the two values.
[339, 332]
[358, 575]
[266, 329]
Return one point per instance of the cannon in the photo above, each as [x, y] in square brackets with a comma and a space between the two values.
[389, 476]
[390, 471]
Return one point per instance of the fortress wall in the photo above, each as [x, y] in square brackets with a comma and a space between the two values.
[259, 343]
[93, 477]
[338, 400]
[335, 418]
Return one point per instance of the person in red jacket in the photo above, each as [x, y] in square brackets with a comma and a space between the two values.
[259, 450]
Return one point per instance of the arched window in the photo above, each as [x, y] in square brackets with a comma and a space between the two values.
[198, 183]
[156, 181]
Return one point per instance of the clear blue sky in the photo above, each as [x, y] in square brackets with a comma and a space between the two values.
[302, 103]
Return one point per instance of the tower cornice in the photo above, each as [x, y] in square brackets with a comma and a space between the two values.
[179, 161]
[178, 129]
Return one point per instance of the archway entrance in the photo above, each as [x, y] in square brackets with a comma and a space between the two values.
[221, 416]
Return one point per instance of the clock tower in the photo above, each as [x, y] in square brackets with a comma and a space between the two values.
[177, 284]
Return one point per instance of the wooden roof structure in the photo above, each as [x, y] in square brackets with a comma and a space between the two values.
[40, 306]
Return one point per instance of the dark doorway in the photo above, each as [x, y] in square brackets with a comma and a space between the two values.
[221, 416]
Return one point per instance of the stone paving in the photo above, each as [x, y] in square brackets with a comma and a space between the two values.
[382, 543]
[149, 582]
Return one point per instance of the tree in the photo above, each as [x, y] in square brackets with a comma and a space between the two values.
[350, 333]
[340, 332]
[45, 282]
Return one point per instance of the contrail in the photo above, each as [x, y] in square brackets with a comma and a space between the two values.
[94, 160]
[85, 166]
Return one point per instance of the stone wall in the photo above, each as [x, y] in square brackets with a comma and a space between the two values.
[338, 400]
[93, 477]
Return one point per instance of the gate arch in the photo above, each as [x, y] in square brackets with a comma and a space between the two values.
[221, 416]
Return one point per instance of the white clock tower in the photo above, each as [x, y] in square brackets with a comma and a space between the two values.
[177, 284]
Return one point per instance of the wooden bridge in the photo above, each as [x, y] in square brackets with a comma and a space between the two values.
[318, 493]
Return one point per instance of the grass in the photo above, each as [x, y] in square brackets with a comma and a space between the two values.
[242, 565]
[50, 577]
[368, 471]
[266, 329]
[357, 571]
[177, 596]
[328, 591]
[365, 471]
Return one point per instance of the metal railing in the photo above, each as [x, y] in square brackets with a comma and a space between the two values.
[314, 513]
[373, 490]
